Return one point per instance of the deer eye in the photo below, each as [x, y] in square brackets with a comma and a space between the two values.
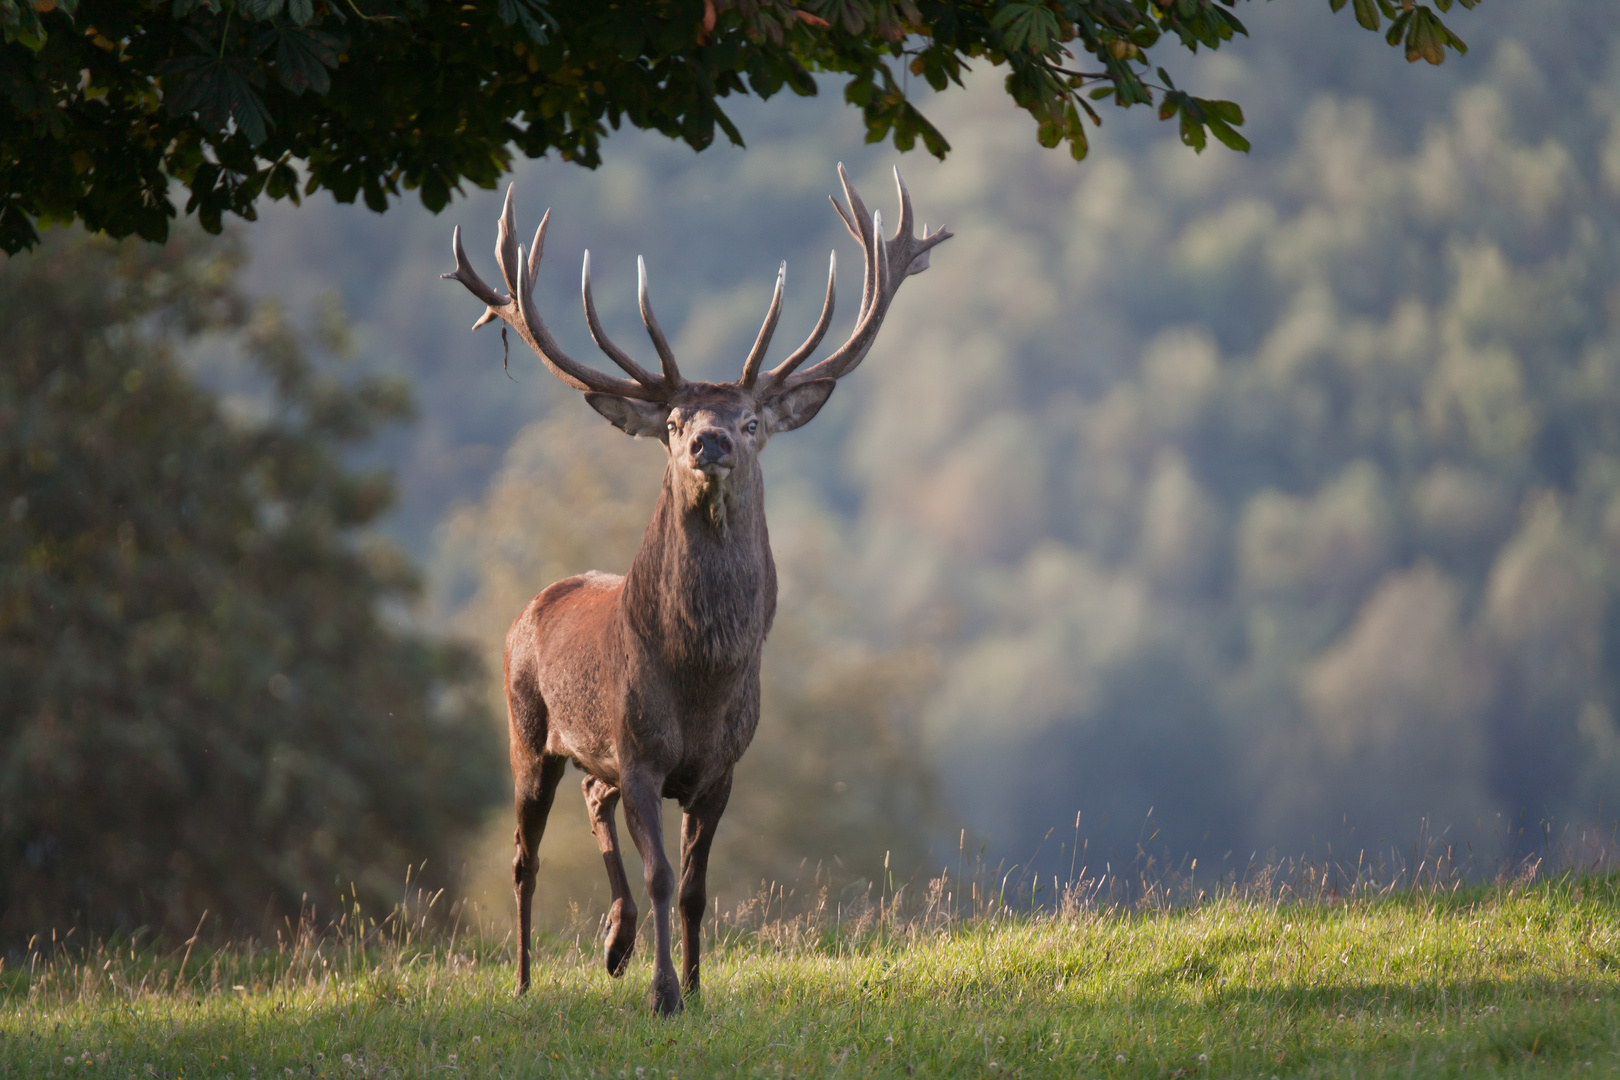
[751, 427]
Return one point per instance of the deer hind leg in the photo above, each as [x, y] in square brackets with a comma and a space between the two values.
[601, 799]
[697, 834]
[643, 806]
[535, 786]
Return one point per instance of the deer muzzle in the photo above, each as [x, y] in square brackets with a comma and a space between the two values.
[711, 452]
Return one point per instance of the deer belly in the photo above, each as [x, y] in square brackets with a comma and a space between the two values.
[694, 777]
[595, 756]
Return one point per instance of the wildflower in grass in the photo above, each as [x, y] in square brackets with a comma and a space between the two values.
[1121, 1059]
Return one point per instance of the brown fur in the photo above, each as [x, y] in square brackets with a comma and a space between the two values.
[650, 682]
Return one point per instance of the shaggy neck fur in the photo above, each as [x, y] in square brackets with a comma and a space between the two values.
[702, 589]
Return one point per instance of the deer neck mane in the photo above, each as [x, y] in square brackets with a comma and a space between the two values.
[702, 588]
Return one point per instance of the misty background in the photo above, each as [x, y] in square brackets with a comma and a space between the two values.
[1237, 503]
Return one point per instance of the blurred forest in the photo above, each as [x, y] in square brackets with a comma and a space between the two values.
[1239, 503]
[203, 708]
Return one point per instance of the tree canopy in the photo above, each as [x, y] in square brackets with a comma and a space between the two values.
[105, 104]
[202, 703]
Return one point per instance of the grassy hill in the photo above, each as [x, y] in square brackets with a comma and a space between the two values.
[1446, 980]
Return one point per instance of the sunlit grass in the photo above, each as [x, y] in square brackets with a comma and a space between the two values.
[1499, 980]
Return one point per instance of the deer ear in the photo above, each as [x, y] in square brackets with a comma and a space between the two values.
[798, 406]
[631, 416]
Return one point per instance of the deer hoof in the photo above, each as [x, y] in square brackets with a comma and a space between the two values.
[666, 995]
[621, 938]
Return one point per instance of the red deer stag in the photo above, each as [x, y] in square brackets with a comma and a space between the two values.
[650, 682]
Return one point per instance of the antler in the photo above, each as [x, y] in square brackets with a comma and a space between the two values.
[517, 311]
[888, 263]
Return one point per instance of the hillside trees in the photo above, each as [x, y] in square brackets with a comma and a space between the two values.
[202, 705]
[106, 103]
[1304, 476]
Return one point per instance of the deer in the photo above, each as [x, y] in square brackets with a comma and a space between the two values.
[649, 682]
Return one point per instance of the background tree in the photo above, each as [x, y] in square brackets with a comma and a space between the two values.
[201, 705]
[105, 103]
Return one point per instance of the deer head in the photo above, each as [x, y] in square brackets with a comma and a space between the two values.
[711, 430]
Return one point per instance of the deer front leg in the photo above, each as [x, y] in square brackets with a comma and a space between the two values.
[536, 785]
[643, 805]
[697, 833]
[601, 799]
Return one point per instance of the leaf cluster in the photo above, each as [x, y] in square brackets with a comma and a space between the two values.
[1416, 27]
[105, 103]
[202, 705]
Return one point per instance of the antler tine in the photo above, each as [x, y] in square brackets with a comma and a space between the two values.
[539, 244]
[598, 335]
[888, 263]
[465, 274]
[849, 223]
[781, 371]
[517, 310]
[756, 355]
[506, 244]
[858, 222]
[904, 228]
[858, 217]
[666, 357]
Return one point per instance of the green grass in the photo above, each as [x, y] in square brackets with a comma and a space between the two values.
[1502, 980]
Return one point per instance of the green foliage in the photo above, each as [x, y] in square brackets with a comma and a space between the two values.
[20, 19]
[1503, 981]
[1419, 28]
[104, 103]
[202, 706]
[1220, 117]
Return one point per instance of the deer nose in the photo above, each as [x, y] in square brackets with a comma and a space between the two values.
[712, 447]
